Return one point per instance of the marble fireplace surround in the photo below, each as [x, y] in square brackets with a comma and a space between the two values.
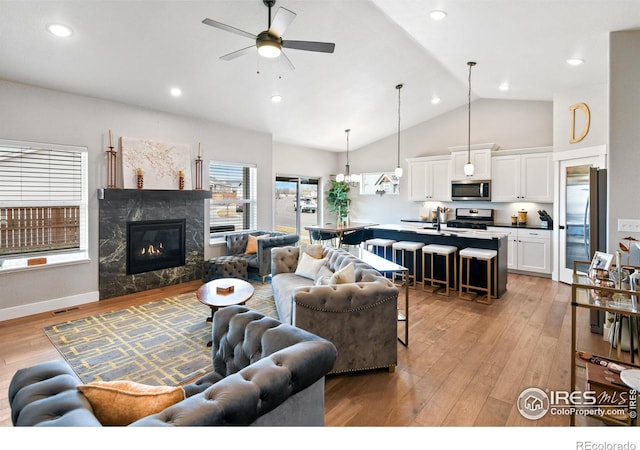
[117, 207]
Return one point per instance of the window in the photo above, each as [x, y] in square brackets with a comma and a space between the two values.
[234, 198]
[43, 199]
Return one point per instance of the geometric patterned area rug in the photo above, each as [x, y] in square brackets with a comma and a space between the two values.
[163, 342]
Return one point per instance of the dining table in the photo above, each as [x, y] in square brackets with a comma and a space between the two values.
[338, 229]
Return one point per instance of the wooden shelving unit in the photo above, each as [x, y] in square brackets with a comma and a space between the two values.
[586, 294]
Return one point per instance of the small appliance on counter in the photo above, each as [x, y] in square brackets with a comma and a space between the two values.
[474, 218]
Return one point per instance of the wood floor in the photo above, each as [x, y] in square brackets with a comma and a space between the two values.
[465, 365]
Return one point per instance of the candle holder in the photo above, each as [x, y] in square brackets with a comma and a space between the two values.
[199, 173]
[181, 181]
[112, 171]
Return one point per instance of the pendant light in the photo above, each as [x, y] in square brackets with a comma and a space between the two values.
[347, 177]
[468, 167]
[398, 170]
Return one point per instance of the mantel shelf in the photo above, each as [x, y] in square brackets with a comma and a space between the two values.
[152, 194]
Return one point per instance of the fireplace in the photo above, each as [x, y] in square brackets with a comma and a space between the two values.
[155, 245]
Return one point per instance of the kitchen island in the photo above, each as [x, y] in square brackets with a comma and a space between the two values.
[461, 239]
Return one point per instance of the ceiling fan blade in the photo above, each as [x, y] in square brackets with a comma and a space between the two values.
[229, 28]
[281, 21]
[238, 53]
[326, 47]
[287, 61]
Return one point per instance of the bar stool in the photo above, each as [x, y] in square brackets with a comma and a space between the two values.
[438, 284]
[489, 257]
[374, 245]
[405, 247]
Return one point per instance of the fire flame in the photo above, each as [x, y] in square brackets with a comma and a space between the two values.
[152, 250]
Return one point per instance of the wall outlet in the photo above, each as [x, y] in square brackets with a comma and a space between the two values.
[632, 225]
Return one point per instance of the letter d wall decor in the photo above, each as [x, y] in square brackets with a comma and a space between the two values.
[584, 108]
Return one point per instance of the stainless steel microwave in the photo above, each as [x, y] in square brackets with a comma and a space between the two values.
[471, 190]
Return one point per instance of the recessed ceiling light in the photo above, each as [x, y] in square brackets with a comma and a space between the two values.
[574, 61]
[59, 30]
[435, 100]
[276, 98]
[437, 14]
[504, 86]
[176, 92]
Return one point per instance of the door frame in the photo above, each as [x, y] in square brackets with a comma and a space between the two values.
[597, 154]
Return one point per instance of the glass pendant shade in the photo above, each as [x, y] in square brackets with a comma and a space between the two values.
[398, 172]
[468, 169]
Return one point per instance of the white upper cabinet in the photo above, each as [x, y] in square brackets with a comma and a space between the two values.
[480, 157]
[522, 175]
[429, 178]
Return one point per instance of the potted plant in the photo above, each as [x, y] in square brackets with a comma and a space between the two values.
[338, 200]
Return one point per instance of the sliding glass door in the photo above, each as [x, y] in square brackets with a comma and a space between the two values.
[296, 205]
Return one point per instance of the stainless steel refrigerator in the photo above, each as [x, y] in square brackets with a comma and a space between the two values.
[586, 220]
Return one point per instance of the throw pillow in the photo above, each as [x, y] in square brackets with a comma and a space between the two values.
[308, 266]
[323, 276]
[123, 402]
[345, 275]
[314, 250]
[252, 243]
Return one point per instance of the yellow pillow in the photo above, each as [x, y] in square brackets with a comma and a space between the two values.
[123, 402]
[252, 243]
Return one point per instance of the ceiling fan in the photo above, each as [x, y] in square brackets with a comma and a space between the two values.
[269, 42]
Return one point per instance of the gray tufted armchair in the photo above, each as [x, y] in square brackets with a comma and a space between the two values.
[265, 373]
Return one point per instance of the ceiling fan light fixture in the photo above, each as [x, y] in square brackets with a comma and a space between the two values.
[269, 49]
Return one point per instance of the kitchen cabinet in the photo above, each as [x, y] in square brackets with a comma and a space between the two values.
[429, 178]
[480, 156]
[528, 249]
[522, 175]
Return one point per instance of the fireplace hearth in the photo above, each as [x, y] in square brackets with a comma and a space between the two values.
[119, 207]
[155, 245]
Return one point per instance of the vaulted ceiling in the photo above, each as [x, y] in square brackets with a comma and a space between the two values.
[135, 51]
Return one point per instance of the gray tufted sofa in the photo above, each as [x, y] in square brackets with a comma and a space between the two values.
[260, 261]
[265, 373]
[359, 318]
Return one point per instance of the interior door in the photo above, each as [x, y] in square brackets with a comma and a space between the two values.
[296, 205]
[574, 225]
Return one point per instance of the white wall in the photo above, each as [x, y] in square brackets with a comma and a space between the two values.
[624, 139]
[40, 115]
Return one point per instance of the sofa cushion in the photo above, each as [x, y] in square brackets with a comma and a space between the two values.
[308, 266]
[323, 276]
[345, 275]
[314, 250]
[122, 402]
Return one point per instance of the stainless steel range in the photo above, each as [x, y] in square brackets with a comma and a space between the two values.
[474, 218]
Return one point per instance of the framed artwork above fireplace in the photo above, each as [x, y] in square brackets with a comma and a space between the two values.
[161, 163]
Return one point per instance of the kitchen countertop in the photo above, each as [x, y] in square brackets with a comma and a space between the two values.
[426, 228]
[500, 225]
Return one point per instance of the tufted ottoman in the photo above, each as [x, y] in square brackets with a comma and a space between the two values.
[227, 267]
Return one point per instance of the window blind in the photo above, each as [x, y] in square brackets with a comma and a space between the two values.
[42, 199]
[234, 197]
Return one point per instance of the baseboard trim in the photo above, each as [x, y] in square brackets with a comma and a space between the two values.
[48, 305]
